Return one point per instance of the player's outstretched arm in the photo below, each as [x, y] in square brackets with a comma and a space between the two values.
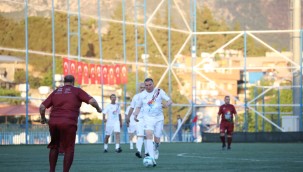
[94, 103]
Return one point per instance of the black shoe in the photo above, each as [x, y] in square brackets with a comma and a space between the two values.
[223, 147]
[119, 150]
[154, 163]
[138, 154]
[228, 148]
[147, 154]
[105, 151]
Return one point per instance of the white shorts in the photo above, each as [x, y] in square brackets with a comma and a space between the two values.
[132, 129]
[152, 123]
[110, 128]
[140, 127]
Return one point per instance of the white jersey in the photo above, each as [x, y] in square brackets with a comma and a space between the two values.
[151, 103]
[132, 118]
[112, 111]
[134, 104]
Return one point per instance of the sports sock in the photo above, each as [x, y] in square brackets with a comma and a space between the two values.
[139, 144]
[131, 144]
[150, 148]
[68, 161]
[53, 157]
[222, 139]
[145, 146]
[105, 146]
[117, 145]
[229, 140]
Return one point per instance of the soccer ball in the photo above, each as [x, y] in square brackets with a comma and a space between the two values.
[148, 161]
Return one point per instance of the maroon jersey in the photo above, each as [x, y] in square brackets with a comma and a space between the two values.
[227, 111]
[66, 102]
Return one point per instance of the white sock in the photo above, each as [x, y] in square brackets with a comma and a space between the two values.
[150, 148]
[131, 144]
[139, 144]
[145, 146]
[105, 146]
[117, 145]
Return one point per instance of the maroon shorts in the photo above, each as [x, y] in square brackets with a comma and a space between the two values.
[227, 126]
[63, 135]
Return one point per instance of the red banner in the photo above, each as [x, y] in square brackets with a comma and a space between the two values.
[98, 74]
[80, 71]
[105, 74]
[65, 66]
[111, 75]
[92, 74]
[123, 74]
[117, 73]
[85, 73]
[73, 67]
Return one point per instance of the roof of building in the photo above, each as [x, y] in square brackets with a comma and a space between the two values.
[5, 58]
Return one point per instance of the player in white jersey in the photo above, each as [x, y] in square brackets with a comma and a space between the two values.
[140, 123]
[150, 101]
[113, 123]
[131, 128]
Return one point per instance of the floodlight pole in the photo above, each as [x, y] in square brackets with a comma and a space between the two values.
[297, 76]
[26, 72]
[101, 62]
[193, 55]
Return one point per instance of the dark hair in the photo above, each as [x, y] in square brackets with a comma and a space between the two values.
[69, 78]
[148, 79]
[112, 95]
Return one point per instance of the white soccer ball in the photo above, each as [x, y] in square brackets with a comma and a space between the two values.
[148, 162]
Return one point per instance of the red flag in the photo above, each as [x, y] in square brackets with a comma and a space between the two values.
[111, 75]
[195, 119]
[73, 67]
[123, 74]
[117, 74]
[85, 73]
[65, 66]
[92, 74]
[80, 70]
[105, 74]
[98, 74]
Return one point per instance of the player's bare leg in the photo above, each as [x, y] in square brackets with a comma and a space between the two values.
[118, 149]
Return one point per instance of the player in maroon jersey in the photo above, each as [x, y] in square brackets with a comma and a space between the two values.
[65, 103]
[227, 112]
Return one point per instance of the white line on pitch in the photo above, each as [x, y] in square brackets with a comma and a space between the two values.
[187, 155]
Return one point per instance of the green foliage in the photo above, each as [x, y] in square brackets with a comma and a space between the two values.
[20, 77]
[10, 93]
[271, 97]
